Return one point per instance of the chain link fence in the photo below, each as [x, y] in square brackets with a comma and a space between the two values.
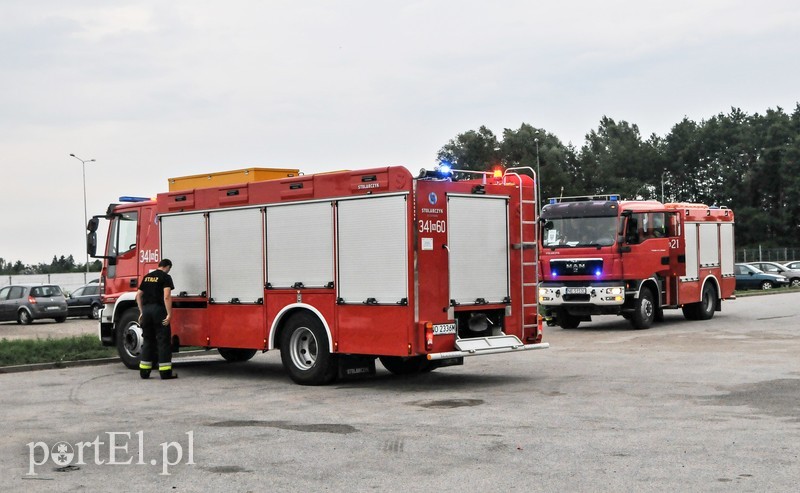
[767, 254]
[68, 281]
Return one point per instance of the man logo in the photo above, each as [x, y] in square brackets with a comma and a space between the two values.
[432, 198]
[62, 453]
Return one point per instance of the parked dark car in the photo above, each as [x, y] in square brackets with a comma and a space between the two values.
[85, 301]
[25, 303]
[780, 270]
[749, 277]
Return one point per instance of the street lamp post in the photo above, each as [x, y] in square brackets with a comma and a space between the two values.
[85, 212]
[538, 180]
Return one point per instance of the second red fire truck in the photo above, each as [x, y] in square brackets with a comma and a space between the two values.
[333, 269]
[600, 255]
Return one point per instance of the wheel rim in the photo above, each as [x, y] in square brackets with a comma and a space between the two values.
[795, 283]
[647, 308]
[25, 317]
[766, 285]
[95, 312]
[132, 340]
[303, 348]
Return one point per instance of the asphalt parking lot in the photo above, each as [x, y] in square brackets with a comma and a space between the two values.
[48, 328]
[683, 406]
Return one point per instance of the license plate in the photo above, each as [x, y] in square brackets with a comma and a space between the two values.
[441, 329]
[576, 290]
[52, 308]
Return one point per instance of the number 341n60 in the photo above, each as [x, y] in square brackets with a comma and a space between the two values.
[428, 226]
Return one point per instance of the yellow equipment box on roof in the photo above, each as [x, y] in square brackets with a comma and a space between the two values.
[233, 177]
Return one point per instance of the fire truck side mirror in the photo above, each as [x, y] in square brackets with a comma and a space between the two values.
[91, 243]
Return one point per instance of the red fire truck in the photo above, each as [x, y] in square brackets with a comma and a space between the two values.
[600, 255]
[333, 269]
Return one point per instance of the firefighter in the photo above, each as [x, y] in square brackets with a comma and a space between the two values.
[154, 299]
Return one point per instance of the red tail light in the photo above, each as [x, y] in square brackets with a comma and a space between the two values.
[31, 300]
[428, 335]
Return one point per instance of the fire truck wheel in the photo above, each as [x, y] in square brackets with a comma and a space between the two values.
[305, 351]
[568, 321]
[705, 309]
[233, 355]
[405, 365]
[129, 339]
[645, 310]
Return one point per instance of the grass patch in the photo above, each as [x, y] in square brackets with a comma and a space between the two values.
[30, 351]
[761, 292]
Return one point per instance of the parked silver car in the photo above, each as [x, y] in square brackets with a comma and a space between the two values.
[794, 265]
[781, 270]
[26, 303]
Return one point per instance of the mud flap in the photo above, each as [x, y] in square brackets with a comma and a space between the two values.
[353, 366]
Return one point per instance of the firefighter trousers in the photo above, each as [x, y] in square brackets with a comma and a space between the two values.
[156, 344]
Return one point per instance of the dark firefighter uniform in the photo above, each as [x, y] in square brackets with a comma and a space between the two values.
[156, 346]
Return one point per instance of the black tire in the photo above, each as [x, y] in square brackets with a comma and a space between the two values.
[400, 365]
[60, 320]
[708, 303]
[767, 285]
[94, 313]
[305, 352]
[567, 321]
[235, 355]
[644, 310]
[24, 317]
[129, 341]
[659, 316]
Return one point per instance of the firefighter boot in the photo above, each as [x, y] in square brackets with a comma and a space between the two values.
[168, 374]
[144, 369]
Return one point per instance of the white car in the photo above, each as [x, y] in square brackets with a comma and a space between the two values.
[794, 265]
[780, 270]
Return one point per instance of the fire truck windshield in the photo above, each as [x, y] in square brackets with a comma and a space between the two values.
[565, 232]
[123, 234]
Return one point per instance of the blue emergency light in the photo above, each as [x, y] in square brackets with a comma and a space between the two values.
[127, 198]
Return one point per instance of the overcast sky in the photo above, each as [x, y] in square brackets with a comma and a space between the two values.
[158, 89]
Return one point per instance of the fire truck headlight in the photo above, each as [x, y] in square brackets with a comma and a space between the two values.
[615, 291]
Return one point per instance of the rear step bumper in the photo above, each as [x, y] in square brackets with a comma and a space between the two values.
[487, 345]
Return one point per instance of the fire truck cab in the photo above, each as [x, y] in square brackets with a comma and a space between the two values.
[635, 258]
[333, 269]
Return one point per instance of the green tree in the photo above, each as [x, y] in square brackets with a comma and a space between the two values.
[471, 150]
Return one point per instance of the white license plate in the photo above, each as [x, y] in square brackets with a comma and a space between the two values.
[441, 329]
[52, 308]
[576, 290]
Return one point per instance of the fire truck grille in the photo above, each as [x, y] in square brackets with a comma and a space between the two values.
[576, 267]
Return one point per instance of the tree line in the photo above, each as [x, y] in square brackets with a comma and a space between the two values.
[58, 265]
[749, 163]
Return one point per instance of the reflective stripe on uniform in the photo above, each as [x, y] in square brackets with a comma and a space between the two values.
[144, 365]
[165, 367]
